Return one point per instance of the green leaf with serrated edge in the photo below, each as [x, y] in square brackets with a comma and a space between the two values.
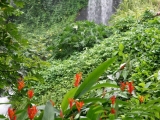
[49, 112]
[104, 85]
[70, 94]
[93, 77]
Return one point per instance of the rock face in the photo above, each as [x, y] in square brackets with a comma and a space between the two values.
[82, 15]
[98, 11]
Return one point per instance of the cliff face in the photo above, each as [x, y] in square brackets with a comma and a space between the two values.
[98, 9]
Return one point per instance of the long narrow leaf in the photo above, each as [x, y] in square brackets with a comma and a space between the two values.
[104, 85]
[93, 77]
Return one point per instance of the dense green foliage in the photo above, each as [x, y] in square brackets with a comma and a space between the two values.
[77, 37]
[81, 47]
[136, 45]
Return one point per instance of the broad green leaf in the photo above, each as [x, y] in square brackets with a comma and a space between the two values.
[93, 77]
[70, 94]
[49, 112]
[23, 115]
[125, 74]
[104, 85]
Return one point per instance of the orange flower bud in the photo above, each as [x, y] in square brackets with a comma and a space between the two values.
[141, 99]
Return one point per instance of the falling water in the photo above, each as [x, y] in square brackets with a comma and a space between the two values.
[100, 11]
[4, 107]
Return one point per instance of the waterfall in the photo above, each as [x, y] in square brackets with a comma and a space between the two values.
[4, 107]
[100, 11]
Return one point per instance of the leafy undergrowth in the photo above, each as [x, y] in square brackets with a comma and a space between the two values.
[137, 46]
[77, 37]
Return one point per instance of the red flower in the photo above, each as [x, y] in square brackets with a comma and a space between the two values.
[52, 103]
[71, 101]
[113, 111]
[30, 93]
[130, 87]
[20, 85]
[141, 99]
[123, 86]
[32, 111]
[79, 105]
[78, 78]
[11, 114]
[61, 114]
[113, 99]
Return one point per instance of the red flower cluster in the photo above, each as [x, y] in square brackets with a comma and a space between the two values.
[79, 105]
[71, 101]
[78, 78]
[123, 86]
[113, 99]
[113, 111]
[21, 85]
[11, 114]
[129, 86]
[30, 93]
[32, 111]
